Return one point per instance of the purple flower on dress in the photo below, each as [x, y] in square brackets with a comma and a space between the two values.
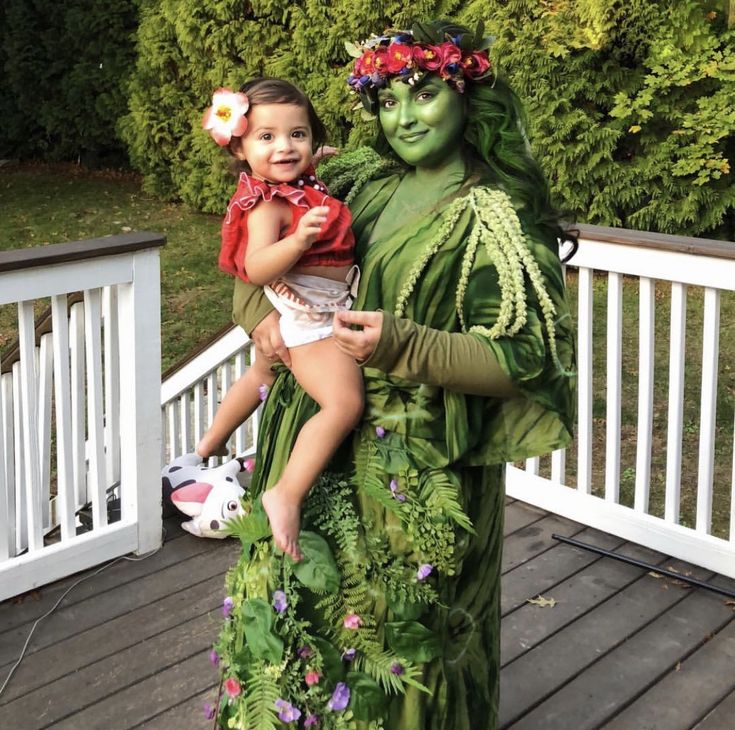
[349, 654]
[340, 697]
[401, 498]
[379, 432]
[311, 720]
[394, 491]
[286, 711]
[424, 571]
[262, 391]
[209, 711]
[279, 601]
[227, 605]
[214, 658]
[305, 652]
[397, 669]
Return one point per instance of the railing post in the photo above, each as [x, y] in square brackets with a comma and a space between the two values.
[140, 410]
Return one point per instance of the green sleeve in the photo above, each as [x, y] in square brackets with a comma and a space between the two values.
[452, 360]
[249, 305]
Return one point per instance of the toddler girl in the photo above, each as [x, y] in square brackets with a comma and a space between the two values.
[283, 232]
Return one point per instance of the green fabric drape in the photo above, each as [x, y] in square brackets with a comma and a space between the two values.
[439, 437]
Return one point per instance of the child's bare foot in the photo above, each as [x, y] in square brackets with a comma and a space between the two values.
[285, 519]
[207, 447]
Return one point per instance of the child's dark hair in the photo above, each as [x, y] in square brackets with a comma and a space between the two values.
[265, 90]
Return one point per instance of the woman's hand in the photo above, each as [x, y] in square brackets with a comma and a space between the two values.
[359, 344]
[268, 340]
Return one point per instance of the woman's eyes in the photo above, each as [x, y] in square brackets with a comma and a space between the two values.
[422, 96]
[387, 103]
[425, 95]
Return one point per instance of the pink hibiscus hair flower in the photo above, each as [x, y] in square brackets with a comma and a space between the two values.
[226, 117]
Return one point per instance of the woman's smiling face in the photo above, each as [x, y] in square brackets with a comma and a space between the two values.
[422, 123]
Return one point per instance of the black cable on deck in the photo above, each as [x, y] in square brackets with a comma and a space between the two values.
[645, 566]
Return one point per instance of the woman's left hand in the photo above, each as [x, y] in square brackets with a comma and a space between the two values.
[358, 343]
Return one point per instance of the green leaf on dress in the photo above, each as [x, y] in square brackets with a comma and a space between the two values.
[317, 570]
[251, 527]
[257, 618]
[333, 667]
[367, 699]
[413, 641]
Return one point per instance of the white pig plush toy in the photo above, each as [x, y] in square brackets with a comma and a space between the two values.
[208, 496]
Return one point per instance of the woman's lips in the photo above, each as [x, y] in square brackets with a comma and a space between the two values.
[412, 137]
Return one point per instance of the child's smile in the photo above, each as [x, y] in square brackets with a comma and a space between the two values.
[277, 144]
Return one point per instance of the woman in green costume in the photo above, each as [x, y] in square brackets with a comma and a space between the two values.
[392, 618]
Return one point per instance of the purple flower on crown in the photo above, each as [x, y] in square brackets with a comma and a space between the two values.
[424, 571]
[286, 711]
[280, 603]
[227, 605]
[340, 697]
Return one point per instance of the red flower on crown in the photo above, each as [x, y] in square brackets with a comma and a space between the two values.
[399, 57]
[476, 64]
[449, 54]
[427, 57]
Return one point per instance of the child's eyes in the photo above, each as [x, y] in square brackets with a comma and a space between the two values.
[299, 134]
[266, 137]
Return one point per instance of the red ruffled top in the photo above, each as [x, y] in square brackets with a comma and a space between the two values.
[334, 247]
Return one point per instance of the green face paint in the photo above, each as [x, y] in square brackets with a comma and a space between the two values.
[423, 123]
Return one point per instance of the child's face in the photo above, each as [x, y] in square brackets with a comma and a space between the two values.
[277, 144]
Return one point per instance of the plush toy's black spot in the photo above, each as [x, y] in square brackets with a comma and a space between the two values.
[175, 468]
[183, 484]
[214, 525]
[229, 479]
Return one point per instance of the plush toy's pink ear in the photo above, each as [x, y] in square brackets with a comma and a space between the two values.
[190, 498]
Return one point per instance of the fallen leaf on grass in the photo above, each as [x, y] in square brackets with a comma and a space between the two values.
[543, 602]
[678, 666]
[655, 575]
[730, 602]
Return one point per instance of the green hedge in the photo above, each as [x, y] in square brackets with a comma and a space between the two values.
[63, 90]
[631, 104]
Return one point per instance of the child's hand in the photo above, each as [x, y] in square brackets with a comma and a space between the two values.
[310, 225]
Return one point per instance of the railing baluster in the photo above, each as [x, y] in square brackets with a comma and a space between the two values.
[62, 391]
[646, 339]
[29, 396]
[112, 384]
[558, 466]
[185, 423]
[95, 420]
[7, 480]
[21, 523]
[212, 403]
[241, 431]
[78, 404]
[710, 356]
[584, 355]
[174, 438]
[45, 378]
[676, 401]
[614, 388]
[532, 465]
[198, 411]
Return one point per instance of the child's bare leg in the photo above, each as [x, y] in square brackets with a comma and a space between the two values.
[334, 381]
[238, 404]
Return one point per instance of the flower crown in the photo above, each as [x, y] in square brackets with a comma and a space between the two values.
[449, 51]
[226, 117]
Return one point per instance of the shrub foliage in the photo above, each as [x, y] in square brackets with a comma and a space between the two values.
[631, 103]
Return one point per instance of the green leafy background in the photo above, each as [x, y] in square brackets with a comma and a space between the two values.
[631, 105]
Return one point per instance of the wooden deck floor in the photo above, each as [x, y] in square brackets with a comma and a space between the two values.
[620, 649]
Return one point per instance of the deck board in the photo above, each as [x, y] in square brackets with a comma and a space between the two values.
[620, 650]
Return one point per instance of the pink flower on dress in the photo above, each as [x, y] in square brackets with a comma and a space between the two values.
[232, 687]
[311, 720]
[226, 117]
[352, 621]
[249, 465]
[312, 677]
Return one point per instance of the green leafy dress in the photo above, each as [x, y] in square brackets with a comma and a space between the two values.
[392, 618]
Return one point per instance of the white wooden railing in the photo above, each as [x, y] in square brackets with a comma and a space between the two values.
[664, 498]
[629, 471]
[79, 421]
[191, 392]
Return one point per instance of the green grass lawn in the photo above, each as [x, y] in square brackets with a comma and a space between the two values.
[41, 205]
